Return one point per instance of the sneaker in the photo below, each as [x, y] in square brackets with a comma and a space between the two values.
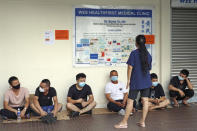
[121, 112]
[74, 114]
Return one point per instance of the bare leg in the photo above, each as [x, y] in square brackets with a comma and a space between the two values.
[59, 107]
[185, 101]
[144, 111]
[129, 108]
[161, 105]
[150, 106]
[88, 108]
[72, 107]
[174, 99]
[34, 108]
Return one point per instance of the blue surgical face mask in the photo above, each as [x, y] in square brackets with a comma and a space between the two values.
[155, 83]
[114, 78]
[82, 84]
[180, 78]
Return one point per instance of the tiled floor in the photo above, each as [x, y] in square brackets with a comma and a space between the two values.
[182, 119]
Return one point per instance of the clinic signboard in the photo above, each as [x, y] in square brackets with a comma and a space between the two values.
[105, 35]
[184, 3]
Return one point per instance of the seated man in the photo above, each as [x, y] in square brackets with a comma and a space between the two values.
[116, 93]
[77, 101]
[177, 88]
[16, 99]
[42, 102]
[157, 99]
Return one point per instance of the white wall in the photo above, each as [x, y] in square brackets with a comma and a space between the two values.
[24, 54]
[165, 48]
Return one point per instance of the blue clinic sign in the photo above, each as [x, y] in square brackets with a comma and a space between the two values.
[112, 12]
[184, 3]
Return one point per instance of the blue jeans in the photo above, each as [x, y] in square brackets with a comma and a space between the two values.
[47, 109]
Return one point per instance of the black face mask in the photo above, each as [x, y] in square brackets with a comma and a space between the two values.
[16, 87]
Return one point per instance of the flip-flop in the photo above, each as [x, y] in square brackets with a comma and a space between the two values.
[140, 124]
[119, 126]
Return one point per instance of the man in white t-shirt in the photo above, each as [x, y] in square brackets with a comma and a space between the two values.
[116, 93]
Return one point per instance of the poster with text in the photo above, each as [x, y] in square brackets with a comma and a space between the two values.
[105, 35]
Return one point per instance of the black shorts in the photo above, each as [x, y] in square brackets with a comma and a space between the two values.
[143, 93]
[79, 105]
[188, 93]
[12, 115]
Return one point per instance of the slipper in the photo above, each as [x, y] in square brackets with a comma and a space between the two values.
[119, 126]
[140, 124]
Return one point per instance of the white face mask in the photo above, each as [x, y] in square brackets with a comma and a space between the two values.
[41, 89]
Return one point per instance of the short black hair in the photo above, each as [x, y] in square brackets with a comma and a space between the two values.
[154, 76]
[80, 75]
[185, 72]
[113, 71]
[46, 81]
[13, 78]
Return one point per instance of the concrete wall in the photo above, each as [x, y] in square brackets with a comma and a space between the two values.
[24, 54]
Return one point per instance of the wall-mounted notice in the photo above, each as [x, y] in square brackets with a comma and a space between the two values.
[106, 35]
[61, 34]
[49, 37]
[150, 39]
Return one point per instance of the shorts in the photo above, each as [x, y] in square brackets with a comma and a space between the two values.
[47, 109]
[79, 105]
[188, 93]
[143, 93]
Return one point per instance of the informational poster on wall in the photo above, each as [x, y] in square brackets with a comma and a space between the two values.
[105, 35]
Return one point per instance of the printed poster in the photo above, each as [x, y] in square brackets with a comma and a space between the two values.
[105, 36]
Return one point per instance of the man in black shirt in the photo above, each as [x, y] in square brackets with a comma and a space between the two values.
[177, 88]
[77, 101]
[157, 97]
[42, 102]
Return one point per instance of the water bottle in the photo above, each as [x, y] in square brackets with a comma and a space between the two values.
[18, 115]
[48, 110]
[27, 116]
